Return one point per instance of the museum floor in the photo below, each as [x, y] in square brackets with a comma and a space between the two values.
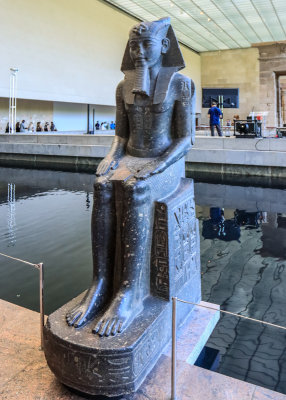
[24, 374]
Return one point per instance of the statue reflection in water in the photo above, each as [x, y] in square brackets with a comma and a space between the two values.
[155, 127]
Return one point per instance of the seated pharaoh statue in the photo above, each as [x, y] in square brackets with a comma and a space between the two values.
[145, 236]
[154, 130]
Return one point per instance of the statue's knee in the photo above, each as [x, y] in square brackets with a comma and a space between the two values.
[136, 190]
[102, 187]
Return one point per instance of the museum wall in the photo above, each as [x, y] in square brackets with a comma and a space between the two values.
[66, 50]
[70, 116]
[29, 110]
[237, 68]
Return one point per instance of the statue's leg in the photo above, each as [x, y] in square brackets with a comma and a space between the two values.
[103, 228]
[136, 231]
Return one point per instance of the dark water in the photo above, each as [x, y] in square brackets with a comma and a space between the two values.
[45, 216]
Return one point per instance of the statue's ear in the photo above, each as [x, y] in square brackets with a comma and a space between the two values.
[165, 45]
[173, 57]
[127, 62]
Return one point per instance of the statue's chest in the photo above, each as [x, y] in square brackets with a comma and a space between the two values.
[148, 116]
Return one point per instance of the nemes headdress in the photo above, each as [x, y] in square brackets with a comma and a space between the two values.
[157, 29]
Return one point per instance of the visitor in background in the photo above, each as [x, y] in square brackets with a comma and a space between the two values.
[18, 127]
[112, 125]
[103, 128]
[39, 127]
[235, 117]
[97, 125]
[215, 115]
[31, 127]
[53, 127]
[228, 126]
[7, 128]
[46, 127]
[22, 126]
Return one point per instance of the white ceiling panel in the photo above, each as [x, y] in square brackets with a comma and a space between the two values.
[206, 25]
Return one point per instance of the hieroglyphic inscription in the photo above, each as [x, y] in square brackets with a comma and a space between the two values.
[184, 241]
[94, 368]
[160, 253]
[150, 346]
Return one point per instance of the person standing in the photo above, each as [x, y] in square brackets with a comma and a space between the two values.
[215, 115]
[22, 126]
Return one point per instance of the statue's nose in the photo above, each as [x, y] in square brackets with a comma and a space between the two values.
[139, 50]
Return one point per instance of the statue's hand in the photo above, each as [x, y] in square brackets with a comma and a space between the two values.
[151, 168]
[106, 165]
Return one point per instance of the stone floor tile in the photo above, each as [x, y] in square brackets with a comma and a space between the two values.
[265, 394]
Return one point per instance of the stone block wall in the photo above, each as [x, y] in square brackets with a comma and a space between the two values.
[237, 68]
[272, 58]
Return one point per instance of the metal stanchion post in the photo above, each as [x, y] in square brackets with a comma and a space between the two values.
[174, 348]
[42, 313]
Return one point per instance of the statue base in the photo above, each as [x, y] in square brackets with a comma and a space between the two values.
[117, 365]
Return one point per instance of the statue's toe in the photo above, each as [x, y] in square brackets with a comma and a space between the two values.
[97, 327]
[109, 327]
[100, 327]
[80, 321]
[73, 318]
[103, 327]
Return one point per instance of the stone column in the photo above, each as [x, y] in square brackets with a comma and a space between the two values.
[283, 106]
[272, 58]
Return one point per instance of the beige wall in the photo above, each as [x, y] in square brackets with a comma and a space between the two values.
[233, 69]
[67, 50]
[193, 70]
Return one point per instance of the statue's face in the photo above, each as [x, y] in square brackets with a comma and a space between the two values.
[147, 50]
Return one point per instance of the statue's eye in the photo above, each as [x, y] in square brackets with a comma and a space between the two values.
[133, 45]
[147, 44]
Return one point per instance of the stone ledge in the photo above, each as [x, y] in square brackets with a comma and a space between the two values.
[249, 153]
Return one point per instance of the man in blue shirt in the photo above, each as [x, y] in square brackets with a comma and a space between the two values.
[215, 114]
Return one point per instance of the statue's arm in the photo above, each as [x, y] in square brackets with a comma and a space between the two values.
[118, 147]
[184, 123]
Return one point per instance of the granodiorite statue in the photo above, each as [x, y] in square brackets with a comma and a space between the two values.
[144, 231]
[155, 128]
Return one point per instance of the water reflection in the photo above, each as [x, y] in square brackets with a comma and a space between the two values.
[11, 217]
[243, 259]
[217, 227]
[274, 237]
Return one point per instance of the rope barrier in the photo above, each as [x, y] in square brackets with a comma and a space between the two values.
[19, 259]
[174, 335]
[40, 268]
[234, 314]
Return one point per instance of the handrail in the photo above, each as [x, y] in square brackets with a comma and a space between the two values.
[40, 268]
[174, 334]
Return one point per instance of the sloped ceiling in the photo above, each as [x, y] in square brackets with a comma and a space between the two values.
[207, 25]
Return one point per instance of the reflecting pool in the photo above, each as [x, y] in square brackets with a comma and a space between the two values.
[45, 217]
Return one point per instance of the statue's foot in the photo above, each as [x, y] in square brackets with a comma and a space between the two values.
[92, 302]
[119, 315]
